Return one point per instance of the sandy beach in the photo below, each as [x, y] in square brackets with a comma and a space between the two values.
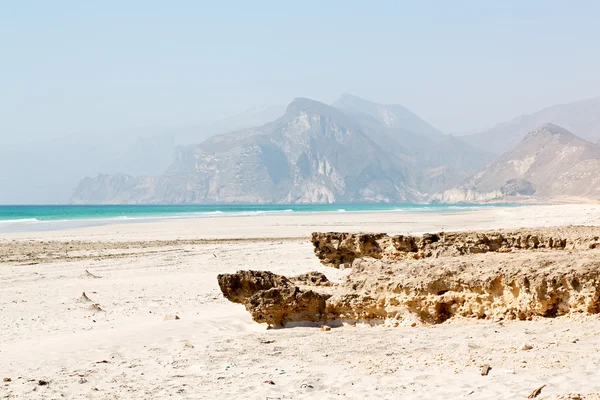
[117, 344]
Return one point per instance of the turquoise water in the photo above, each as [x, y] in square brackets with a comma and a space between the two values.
[47, 213]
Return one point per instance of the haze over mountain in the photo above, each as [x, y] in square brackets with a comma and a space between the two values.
[352, 151]
[389, 115]
[104, 89]
[313, 153]
[580, 117]
[48, 170]
[437, 160]
[549, 163]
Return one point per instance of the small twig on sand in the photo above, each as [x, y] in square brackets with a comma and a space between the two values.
[84, 298]
[88, 274]
[536, 392]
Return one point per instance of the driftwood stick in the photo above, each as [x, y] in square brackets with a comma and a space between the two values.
[536, 392]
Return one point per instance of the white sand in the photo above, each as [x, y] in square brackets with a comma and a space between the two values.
[46, 335]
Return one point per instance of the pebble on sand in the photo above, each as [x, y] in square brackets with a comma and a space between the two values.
[485, 369]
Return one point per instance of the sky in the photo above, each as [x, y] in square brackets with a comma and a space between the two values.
[74, 67]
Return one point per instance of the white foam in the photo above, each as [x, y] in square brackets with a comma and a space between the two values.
[18, 221]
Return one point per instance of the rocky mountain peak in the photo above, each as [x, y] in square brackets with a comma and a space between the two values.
[308, 118]
[551, 137]
[312, 107]
[582, 118]
[549, 130]
[388, 115]
[348, 100]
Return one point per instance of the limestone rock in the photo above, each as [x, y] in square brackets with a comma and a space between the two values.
[272, 298]
[279, 306]
[311, 278]
[336, 249]
[485, 275]
[490, 286]
[242, 285]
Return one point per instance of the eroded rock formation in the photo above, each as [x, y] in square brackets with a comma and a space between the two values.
[490, 286]
[275, 299]
[242, 285]
[341, 249]
[487, 275]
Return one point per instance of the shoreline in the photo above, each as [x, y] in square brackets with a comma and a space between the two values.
[31, 223]
[304, 223]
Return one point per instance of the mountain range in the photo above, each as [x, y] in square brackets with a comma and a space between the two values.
[355, 150]
[580, 117]
[549, 163]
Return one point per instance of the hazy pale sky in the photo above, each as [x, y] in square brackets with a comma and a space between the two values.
[101, 67]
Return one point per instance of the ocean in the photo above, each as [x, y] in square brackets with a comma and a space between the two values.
[50, 217]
